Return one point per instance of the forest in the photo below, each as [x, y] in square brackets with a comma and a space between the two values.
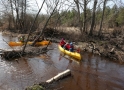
[99, 21]
[95, 29]
[16, 16]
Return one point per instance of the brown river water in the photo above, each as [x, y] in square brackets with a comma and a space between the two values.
[92, 73]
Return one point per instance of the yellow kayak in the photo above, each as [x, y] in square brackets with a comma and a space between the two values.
[21, 43]
[72, 54]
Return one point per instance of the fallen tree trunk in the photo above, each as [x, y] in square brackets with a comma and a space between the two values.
[45, 85]
[59, 76]
[11, 54]
[17, 53]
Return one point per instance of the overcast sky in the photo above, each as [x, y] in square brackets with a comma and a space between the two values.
[36, 4]
[39, 3]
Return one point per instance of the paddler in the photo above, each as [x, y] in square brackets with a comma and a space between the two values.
[62, 42]
[71, 47]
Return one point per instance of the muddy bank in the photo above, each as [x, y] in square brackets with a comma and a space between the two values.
[104, 50]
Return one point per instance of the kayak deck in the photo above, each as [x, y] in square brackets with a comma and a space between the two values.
[72, 54]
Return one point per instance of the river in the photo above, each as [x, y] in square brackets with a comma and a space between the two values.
[92, 73]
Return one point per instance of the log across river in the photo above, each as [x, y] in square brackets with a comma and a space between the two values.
[92, 73]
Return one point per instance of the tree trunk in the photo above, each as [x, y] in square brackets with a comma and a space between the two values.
[93, 18]
[32, 26]
[12, 14]
[84, 20]
[42, 31]
[25, 20]
[17, 14]
[79, 17]
[100, 30]
[9, 21]
[22, 17]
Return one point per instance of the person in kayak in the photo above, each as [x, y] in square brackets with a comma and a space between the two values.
[22, 38]
[78, 50]
[67, 46]
[62, 42]
[71, 47]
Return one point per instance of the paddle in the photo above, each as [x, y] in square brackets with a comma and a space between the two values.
[61, 55]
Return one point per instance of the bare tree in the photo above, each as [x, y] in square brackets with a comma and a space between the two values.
[16, 2]
[19, 19]
[25, 7]
[100, 29]
[42, 31]
[79, 17]
[93, 18]
[12, 13]
[84, 19]
[23, 16]
[32, 27]
[7, 13]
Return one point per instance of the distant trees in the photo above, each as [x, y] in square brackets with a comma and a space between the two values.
[85, 14]
[18, 19]
[120, 16]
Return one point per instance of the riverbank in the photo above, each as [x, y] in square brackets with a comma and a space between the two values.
[110, 46]
[104, 49]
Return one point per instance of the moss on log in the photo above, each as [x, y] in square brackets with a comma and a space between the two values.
[35, 87]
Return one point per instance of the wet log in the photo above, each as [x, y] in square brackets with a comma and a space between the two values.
[17, 53]
[11, 54]
[59, 76]
[45, 85]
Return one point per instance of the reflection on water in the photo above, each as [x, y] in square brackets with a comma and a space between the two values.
[92, 73]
